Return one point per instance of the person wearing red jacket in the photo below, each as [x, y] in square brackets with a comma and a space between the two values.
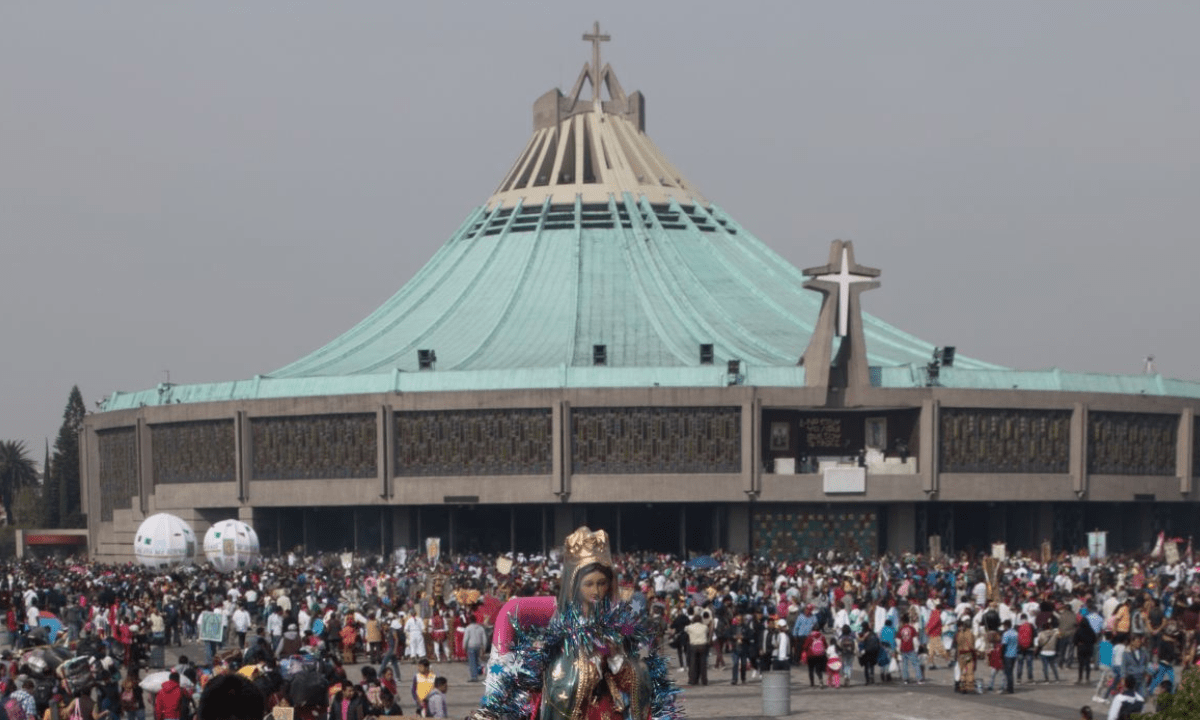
[167, 704]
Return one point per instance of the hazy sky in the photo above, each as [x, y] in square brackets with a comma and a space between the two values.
[218, 188]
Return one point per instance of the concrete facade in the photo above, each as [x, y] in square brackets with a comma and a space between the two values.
[564, 491]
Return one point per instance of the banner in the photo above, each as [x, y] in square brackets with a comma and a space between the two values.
[433, 549]
[1098, 544]
[1000, 551]
[504, 565]
[211, 627]
[1047, 554]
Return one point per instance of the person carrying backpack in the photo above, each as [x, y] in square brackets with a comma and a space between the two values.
[168, 704]
[847, 650]
[814, 648]
[1026, 638]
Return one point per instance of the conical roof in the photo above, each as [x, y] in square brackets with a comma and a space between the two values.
[594, 238]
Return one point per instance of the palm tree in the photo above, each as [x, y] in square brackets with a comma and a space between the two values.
[16, 471]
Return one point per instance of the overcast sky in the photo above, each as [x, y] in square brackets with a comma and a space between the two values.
[215, 189]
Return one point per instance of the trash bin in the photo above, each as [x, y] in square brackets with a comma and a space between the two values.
[776, 693]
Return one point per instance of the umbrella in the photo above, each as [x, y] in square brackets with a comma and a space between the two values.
[154, 681]
[704, 562]
[52, 624]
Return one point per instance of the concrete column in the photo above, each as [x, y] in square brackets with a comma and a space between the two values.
[89, 476]
[998, 523]
[1144, 523]
[402, 527]
[1185, 452]
[901, 527]
[1044, 529]
[145, 464]
[683, 531]
[563, 524]
[561, 427]
[739, 528]
[242, 453]
[1078, 467]
[927, 454]
[383, 451]
[751, 464]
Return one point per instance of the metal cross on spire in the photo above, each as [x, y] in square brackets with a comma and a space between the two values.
[595, 38]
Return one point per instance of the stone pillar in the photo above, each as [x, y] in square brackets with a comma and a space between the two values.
[739, 528]
[383, 450]
[927, 453]
[901, 527]
[1185, 454]
[402, 527]
[1044, 529]
[560, 425]
[564, 524]
[751, 464]
[683, 548]
[1078, 467]
[145, 466]
[997, 523]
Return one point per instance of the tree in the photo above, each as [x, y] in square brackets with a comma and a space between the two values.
[16, 471]
[65, 463]
[1184, 703]
[50, 492]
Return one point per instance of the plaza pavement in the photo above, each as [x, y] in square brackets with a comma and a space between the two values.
[935, 700]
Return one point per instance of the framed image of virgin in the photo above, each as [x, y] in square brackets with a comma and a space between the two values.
[211, 627]
[781, 436]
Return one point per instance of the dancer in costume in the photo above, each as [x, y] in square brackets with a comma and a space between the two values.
[580, 658]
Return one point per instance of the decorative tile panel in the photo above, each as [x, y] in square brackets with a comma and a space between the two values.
[804, 531]
[986, 440]
[314, 447]
[648, 440]
[118, 469]
[1132, 443]
[474, 442]
[188, 452]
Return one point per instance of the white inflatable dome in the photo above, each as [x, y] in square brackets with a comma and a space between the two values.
[231, 545]
[164, 541]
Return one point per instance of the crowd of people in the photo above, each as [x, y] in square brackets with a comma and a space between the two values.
[1124, 626]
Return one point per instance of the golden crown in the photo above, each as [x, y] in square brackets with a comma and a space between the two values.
[584, 547]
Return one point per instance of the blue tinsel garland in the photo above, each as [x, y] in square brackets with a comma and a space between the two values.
[517, 673]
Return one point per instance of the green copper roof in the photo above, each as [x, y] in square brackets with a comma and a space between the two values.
[518, 298]
[539, 289]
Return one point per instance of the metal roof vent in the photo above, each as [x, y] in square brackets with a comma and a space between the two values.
[706, 354]
[599, 354]
[426, 359]
[733, 370]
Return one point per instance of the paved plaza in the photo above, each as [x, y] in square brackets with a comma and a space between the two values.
[935, 700]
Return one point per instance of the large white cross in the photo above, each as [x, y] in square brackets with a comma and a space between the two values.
[843, 278]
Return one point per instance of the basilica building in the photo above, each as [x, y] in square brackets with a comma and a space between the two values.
[600, 343]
